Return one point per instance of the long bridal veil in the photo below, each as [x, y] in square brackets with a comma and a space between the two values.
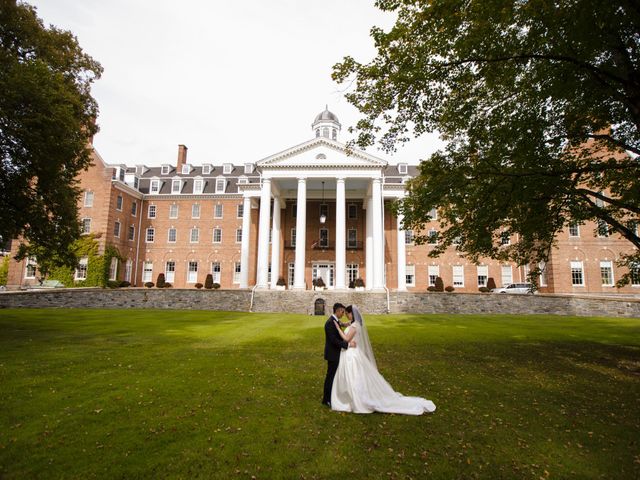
[365, 344]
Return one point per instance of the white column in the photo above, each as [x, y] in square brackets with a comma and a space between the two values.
[263, 234]
[301, 240]
[377, 234]
[369, 246]
[402, 256]
[275, 243]
[246, 236]
[341, 236]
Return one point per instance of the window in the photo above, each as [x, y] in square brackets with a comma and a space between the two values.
[217, 212]
[291, 271]
[227, 168]
[88, 199]
[574, 229]
[31, 268]
[206, 169]
[577, 274]
[195, 210]
[86, 226]
[221, 184]
[324, 237]
[432, 236]
[634, 270]
[116, 229]
[240, 211]
[173, 211]
[434, 272]
[197, 186]
[176, 186]
[215, 271]
[353, 211]
[505, 238]
[606, 273]
[410, 275]
[325, 132]
[132, 233]
[154, 186]
[236, 272]
[186, 169]
[603, 228]
[352, 238]
[217, 235]
[172, 235]
[151, 233]
[293, 237]
[147, 272]
[408, 237]
[543, 274]
[119, 203]
[334, 134]
[136, 182]
[317, 135]
[151, 213]
[81, 269]
[402, 168]
[507, 275]
[113, 269]
[352, 272]
[165, 169]
[170, 271]
[248, 168]
[238, 235]
[134, 208]
[458, 275]
[192, 272]
[194, 235]
[433, 213]
[128, 267]
[483, 275]
[242, 179]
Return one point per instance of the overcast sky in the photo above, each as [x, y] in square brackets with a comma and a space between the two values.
[234, 80]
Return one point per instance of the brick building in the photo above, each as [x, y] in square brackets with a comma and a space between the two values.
[313, 210]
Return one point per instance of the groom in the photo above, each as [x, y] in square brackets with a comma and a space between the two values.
[332, 346]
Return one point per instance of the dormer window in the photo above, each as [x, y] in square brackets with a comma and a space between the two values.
[197, 185]
[221, 185]
[206, 169]
[248, 168]
[176, 186]
[154, 186]
[243, 179]
[402, 168]
[227, 169]
[186, 169]
[136, 182]
[165, 169]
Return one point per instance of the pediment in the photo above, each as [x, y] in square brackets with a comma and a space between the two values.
[321, 153]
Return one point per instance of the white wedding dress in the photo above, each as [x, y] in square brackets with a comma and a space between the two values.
[358, 387]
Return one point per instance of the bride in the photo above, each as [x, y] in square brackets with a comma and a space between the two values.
[358, 386]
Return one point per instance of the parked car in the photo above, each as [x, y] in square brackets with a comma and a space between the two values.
[520, 288]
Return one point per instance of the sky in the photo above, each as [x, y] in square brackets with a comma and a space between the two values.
[235, 81]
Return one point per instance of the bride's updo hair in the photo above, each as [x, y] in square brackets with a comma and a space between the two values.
[349, 309]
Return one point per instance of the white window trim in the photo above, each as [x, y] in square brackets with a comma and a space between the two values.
[197, 232]
[177, 208]
[610, 267]
[215, 210]
[220, 180]
[194, 207]
[146, 236]
[408, 269]
[165, 169]
[83, 261]
[206, 169]
[169, 235]
[152, 182]
[88, 195]
[155, 211]
[173, 182]
[195, 183]
[121, 198]
[459, 275]
[213, 236]
[402, 168]
[227, 168]
[577, 264]
[239, 233]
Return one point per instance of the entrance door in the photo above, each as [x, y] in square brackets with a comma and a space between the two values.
[324, 271]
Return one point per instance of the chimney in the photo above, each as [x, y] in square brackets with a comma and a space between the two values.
[182, 157]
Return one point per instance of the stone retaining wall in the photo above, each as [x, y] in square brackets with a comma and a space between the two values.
[303, 302]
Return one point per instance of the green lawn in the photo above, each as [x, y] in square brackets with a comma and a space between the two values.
[174, 394]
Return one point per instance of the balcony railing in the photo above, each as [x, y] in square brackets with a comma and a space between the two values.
[325, 245]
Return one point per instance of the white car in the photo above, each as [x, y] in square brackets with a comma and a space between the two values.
[520, 288]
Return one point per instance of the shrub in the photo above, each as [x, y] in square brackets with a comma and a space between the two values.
[491, 283]
[208, 282]
[281, 282]
[431, 289]
[359, 282]
[124, 283]
[149, 284]
[113, 284]
[439, 284]
[352, 284]
[320, 282]
[449, 289]
[198, 285]
[216, 285]
[484, 290]
[167, 285]
[160, 283]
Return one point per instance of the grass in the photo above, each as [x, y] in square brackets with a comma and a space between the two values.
[174, 394]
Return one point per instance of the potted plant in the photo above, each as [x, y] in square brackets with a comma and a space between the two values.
[449, 289]
[439, 284]
[198, 285]
[215, 285]
[208, 282]
[352, 284]
[319, 285]
[359, 284]
[149, 284]
[160, 281]
[281, 284]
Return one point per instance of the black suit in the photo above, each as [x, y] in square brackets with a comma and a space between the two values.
[332, 346]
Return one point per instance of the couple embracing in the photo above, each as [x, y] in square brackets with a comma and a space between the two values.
[353, 383]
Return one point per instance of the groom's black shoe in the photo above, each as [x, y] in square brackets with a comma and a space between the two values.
[328, 404]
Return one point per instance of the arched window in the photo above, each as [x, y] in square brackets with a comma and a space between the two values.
[317, 132]
[334, 134]
[325, 132]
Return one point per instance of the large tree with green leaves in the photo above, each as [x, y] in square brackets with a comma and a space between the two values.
[539, 102]
[47, 118]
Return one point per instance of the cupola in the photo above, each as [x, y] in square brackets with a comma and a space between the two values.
[326, 125]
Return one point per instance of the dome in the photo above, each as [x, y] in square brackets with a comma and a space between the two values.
[326, 115]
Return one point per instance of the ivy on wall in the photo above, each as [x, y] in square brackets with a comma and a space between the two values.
[4, 270]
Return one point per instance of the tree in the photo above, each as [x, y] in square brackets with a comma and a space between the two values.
[539, 103]
[46, 123]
